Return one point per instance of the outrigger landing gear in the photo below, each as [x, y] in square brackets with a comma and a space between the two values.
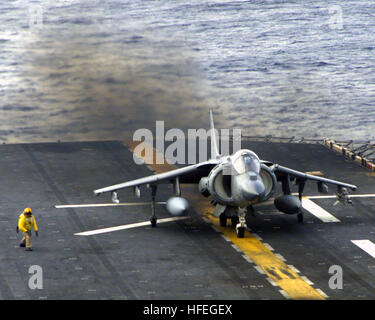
[300, 217]
[153, 218]
[153, 221]
[241, 226]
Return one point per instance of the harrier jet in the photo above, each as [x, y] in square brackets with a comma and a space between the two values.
[235, 183]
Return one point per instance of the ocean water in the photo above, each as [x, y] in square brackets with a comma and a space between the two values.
[83, 70]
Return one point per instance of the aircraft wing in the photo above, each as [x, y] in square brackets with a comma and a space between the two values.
[189, 174]
[282, 171]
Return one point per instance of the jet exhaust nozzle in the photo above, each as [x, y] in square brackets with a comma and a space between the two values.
[177, 206]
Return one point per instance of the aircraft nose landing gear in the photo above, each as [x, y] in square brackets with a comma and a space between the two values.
[240, 230]
[241, 226]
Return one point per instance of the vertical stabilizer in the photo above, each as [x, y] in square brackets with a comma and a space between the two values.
[214, 139]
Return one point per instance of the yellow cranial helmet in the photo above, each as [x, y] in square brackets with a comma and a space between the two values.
[28, 211]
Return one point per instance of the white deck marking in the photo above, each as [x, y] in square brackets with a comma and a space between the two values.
[259, 269]
[127, 226]
[247, 258]
[216, 229]
[318, 211]
[280, 257]
[268, 246]
[257, 236]
[105, 205]
[236, 248]
[293, 268]
[308, 281]
[322, 293]
[225, 238]
[370, 195]
[366, 245]
[272, 282]
[206, 220]
[286, 296]
[361, 195]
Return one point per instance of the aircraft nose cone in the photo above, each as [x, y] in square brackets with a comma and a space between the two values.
[253, 190]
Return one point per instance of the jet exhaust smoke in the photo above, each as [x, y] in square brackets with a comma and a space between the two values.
[89, 82]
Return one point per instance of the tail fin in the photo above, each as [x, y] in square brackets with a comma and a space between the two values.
[214, 140]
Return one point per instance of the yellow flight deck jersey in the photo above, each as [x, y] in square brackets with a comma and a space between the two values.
[26, 223]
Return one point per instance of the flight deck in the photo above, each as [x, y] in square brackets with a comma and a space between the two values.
[192, 258]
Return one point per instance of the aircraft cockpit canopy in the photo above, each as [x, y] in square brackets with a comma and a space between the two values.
[246, 160]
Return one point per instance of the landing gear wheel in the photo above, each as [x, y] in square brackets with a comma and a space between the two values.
[153, 221]
[300, 218]
[240, 232]
[223, 220]
[235, 221]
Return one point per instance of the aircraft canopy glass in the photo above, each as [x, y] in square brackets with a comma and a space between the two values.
[247, 162]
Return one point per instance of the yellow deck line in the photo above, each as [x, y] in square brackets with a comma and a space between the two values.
[272, 266]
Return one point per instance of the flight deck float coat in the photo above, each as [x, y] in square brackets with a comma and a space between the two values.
[27, 223]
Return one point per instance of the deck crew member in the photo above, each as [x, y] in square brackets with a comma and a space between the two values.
[26, 223]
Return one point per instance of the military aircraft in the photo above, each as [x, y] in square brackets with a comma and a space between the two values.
[235, 183]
